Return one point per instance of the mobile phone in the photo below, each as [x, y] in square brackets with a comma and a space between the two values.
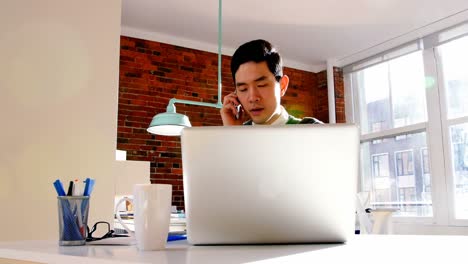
[238, 108]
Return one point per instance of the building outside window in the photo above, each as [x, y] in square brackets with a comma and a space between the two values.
[389, 93]
[381, 177]
[426, 193]
[411, 103]
[405, 177]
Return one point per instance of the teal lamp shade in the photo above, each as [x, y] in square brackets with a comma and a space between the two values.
[168, 124]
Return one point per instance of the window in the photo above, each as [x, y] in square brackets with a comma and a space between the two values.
[425, 161]
[404, 162]
[381, 177]
[392, 94]
[412, 107]
[377, 126]
[380, 165]
[426, 179]
[459, 140]
[454, 61]
[453, 57]
[396, 178]
[391, 101]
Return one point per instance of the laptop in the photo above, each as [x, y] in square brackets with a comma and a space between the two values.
[270, 184]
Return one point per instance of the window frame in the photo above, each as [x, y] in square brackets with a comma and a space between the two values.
[437, 127]
[446, 123]
[353, 116]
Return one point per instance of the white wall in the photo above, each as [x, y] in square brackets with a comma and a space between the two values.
[128, 173]
[58, 108]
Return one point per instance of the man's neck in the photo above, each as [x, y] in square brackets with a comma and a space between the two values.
[280, 117]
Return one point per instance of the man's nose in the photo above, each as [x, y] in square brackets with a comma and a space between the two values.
[254, 95]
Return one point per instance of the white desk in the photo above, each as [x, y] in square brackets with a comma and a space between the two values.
[361, 249]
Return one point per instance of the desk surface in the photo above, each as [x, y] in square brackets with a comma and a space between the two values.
[360, 249]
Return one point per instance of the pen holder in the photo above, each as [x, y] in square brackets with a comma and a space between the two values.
[73, 219]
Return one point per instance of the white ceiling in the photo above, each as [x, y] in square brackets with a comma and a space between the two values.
[307, 32]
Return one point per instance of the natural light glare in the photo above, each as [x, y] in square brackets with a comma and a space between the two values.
[393, 93]
[454, 56]
[376, 78]
[459, 145]
[408, 93]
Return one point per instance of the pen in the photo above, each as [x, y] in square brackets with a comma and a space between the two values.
[77, 191]
[59, 188]
[70, 189]
[89, 185]
[79, 217]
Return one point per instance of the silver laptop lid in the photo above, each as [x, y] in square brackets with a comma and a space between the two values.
[265, 184]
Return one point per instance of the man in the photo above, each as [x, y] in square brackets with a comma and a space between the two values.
[257, 70]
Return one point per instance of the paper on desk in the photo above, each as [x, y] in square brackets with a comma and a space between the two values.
[114, 241]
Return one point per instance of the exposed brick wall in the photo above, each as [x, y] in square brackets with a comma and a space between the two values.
[300, 96]
[321, 102]
[339, 95]
[151, 73]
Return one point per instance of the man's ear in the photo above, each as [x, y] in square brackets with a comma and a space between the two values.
[284, 82]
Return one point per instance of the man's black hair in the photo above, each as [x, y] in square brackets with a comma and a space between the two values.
[257, 51]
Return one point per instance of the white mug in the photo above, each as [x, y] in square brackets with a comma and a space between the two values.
[152, 212]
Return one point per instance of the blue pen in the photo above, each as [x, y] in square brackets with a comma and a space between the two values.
[89, 185]
[86, 183]
[88, 189]
[59, 188]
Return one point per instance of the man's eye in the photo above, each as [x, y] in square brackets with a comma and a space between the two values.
[261, 85]
[241, 90]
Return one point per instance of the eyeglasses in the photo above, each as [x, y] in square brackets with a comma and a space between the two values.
[101, 225]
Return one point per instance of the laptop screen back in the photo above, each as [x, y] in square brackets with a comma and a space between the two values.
[265, 184]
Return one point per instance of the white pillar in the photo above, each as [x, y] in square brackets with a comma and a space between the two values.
[331, 92]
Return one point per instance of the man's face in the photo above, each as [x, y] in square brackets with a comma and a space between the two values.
[258, 91]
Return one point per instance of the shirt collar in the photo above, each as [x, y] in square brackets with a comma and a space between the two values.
[281, 120]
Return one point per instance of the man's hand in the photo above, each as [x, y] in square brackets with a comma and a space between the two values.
[229, 111]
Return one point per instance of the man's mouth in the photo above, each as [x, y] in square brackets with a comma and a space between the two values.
[256, 111]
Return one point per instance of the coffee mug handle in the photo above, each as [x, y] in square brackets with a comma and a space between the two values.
[116, 212]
